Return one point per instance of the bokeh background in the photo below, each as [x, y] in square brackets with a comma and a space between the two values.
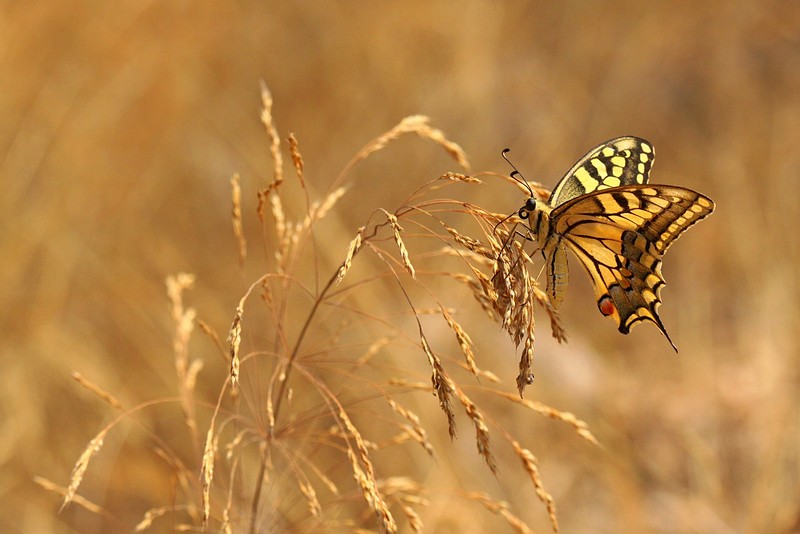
[122, 122]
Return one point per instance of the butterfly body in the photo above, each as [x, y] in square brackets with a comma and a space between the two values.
[617, 225]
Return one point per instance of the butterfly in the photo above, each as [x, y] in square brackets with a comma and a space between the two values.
[618, 226]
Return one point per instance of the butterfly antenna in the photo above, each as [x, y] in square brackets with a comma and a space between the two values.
[516, 175]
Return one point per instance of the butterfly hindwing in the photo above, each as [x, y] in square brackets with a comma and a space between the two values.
[620, 236]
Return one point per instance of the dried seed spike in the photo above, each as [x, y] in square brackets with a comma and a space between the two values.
[525, 377]
[366, 476]
[352, 250]
[314, 507]
[88, 453]
[276, 206]
[459, 177]
[94, 388]
[297, 159]
[235, 337]
[415, 430]
[481, 430]
[464, 341]
[502, 509]
[530, 464]
[272, 133]
[318, 210]
[396, 228]
[207, 471]
[425, 130]
[236, 215]
[151, 515]
[442, 386]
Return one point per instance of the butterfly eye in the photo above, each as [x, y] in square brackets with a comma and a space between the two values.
[526, 210]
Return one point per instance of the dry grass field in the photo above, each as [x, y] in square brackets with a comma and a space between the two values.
[242, 274]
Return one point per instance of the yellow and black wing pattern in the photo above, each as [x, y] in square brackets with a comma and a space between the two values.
[620, 235]
[621, 161]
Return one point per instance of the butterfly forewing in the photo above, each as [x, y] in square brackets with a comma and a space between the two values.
[621, 161]
[620, 236]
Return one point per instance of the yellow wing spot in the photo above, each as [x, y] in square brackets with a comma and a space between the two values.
[688, 214]
[586, 180]
[607, 151]
[660, 202]
[611, 181]
[659, 244]
[619, 161]
[644, 158]
[673, 228]
[646, 148]
[644, 214]
[651, 280]
[616, 171]
[600, 166]
[649, 296]
[640, 168]
[703, 202]
[640, 178]
[698, 209]
[631, 199]
[650, 192]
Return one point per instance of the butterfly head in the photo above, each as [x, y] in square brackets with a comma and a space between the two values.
[531, 205]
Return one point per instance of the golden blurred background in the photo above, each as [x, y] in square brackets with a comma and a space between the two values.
[122, 124]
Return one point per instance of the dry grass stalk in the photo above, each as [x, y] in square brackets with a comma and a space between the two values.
[272, 134]
[94, 388]
[442, 386]
[459, 177]
[530, 464]
[80, 466]
[414, 430]
[211, 333]
[580, 426]
[207, 471]
[471, 244]
[558, 331]
[396, 229]
[297, 159]
[150, 516]
[417, 124]
[502, 509]
[184, 326]
[281, 227]
[318, 210]
[352, 250]
[314, 507]
[236, 216]
[372, 350]
[525, 376]
[77, 499]
[369, 490]
[406, 492]
[508, 297]
[463, 341]
[481, 430]
[235, 337]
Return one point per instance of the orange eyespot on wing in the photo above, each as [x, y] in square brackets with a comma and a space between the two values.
[606, 306]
